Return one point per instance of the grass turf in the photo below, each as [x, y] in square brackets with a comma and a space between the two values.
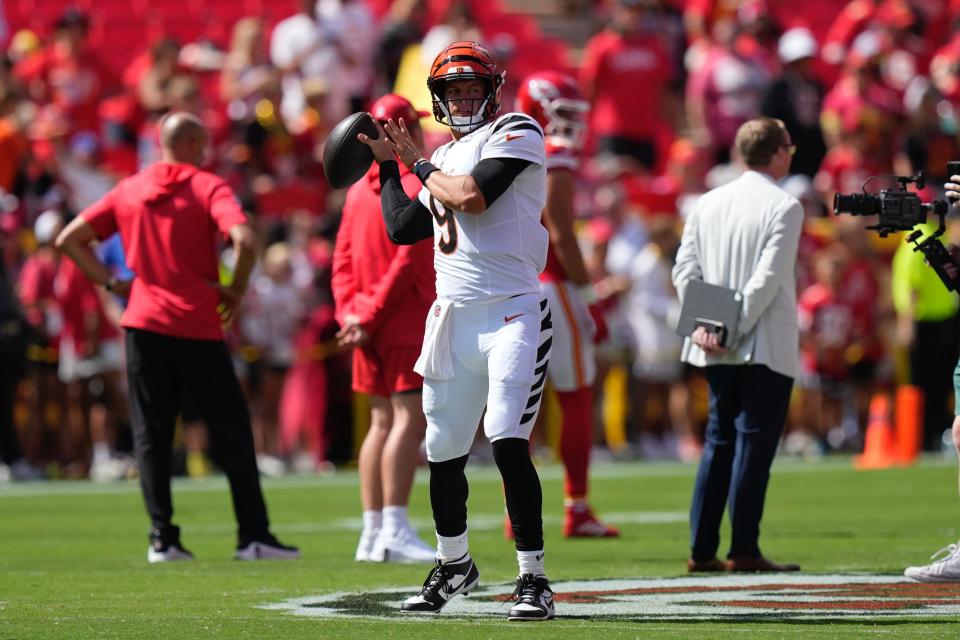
[72, 554]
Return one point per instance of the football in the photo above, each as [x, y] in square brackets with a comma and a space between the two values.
[346, 159]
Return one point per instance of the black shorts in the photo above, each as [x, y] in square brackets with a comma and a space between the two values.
[643, 151]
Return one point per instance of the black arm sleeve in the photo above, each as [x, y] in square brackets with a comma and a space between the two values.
[494, 175]
[407, 221]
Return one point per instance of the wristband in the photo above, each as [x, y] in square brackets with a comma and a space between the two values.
[587, 294]
[422, 168]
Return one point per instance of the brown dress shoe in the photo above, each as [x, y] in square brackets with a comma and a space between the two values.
[713, 565]
[749, 564]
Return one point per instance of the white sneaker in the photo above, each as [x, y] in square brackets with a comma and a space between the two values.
[110, 469]
[365, 547]
[403, 546]
[944, 569]
[271, 466]
[170, 553]
[23, 470]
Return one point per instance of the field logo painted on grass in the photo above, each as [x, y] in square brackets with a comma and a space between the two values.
[690, 598]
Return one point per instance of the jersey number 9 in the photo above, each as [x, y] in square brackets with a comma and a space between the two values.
[448, 227]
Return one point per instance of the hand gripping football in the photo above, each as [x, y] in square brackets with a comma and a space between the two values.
[346, 159]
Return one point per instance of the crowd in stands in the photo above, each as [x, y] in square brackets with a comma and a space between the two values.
[865, 87]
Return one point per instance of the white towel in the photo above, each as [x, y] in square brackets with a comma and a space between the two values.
[436, 359]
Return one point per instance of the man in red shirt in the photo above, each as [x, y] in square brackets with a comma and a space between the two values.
[623, 76]
[383, 292]
[170, 217]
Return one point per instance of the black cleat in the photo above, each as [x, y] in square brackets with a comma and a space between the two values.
[265, 547]
[444, 581]
[165, 546]
[534, 599]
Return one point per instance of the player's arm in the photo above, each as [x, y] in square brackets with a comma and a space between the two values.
[407, 221]
[473, 193]
[558, 219]
[74, 241]
[77, 238]
[342, 283]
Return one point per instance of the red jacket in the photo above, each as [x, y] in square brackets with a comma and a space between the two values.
[389, 288]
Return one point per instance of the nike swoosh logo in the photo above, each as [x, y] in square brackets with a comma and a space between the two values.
[514, 136]
[509, 318]
[455, 582]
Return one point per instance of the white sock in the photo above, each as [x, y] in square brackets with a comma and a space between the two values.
[372, 522]
[395, 518]
[531, 562]
[576, 504]
[452, 548]
[101, 451]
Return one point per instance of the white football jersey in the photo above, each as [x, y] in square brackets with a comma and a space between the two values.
[501, 251]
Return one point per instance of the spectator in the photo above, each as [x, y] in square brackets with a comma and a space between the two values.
[272, 314]
[826, 339]
[796, 97]
[744, 235]
[13, 344]
[46, 324]
[403, 26]
[458, 23]
[247, 71]
[725, 90]
[624, 76]
[14, 146]
[930, 140]
[89, 366]
[859, 99]
[173, 332]
[305, 47]
[353, 17]
[65, 73]
[865, 287]
[652, 312]
[151, 83]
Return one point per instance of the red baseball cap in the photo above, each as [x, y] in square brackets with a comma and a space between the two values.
[396, 107]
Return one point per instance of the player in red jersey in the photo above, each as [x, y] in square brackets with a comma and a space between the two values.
[555, 101]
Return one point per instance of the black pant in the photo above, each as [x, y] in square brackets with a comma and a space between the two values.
[933, 356]
[159, 367]
[643, 151]
[12, 355]
[748, 408]
[9, 442]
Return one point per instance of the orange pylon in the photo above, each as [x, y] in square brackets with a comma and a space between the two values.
[879, 450]
[908, 419]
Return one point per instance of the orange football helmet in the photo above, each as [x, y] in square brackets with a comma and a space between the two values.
[465, 61]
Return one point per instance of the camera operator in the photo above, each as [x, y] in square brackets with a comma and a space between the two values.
[946, 562]
[926, 328]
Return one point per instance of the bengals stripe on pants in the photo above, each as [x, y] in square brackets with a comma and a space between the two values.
[543, 358]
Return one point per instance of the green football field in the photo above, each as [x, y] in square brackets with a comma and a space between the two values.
[73, 561]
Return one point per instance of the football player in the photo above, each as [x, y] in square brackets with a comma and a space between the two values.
[555, 102]
[488, 334]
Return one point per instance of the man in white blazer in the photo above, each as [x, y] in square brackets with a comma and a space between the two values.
[744, 236]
